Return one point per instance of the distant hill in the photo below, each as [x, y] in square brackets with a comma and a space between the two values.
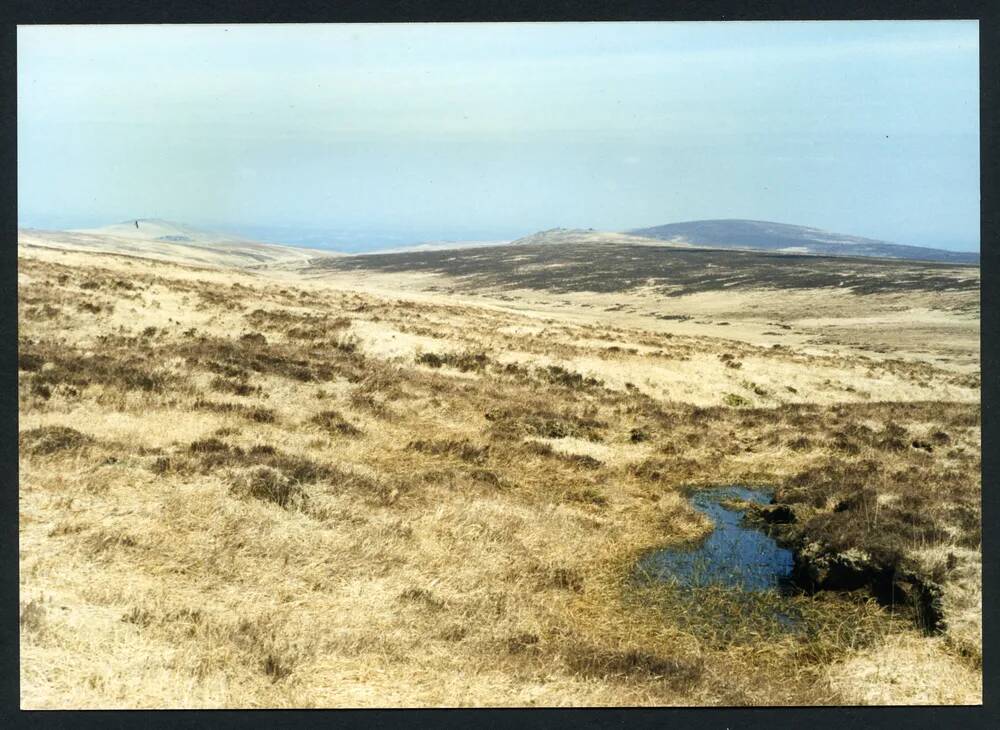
[157, 229]
[769, 236]
[164, 240]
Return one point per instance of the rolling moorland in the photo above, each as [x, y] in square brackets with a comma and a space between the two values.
[427, 478]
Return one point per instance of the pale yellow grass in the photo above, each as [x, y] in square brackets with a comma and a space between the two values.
[147, 589]
[898, 673]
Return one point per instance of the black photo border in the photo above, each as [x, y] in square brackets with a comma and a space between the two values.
[23, 12]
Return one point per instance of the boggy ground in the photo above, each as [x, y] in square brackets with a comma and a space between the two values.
[598, 267]
[249, 491]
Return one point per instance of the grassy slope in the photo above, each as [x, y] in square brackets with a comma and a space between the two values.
[241, 492]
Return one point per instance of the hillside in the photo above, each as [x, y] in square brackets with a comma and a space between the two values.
[769, 236]
[157, 229]
[176, 242]
[672, 271]
[337, 487]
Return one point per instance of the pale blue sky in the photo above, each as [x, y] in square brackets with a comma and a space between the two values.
[358, 135]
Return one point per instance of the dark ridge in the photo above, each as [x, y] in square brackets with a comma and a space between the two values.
[609, 268]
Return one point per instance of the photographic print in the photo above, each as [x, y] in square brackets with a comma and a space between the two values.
[499, 364]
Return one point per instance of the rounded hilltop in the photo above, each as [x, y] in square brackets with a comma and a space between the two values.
[158, 229]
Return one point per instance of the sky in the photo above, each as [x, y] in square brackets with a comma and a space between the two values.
[367, 136]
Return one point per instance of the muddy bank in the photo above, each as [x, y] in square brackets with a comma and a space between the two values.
[758, 545]
[820, 566]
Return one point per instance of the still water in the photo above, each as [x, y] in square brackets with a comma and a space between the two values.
[732, 555]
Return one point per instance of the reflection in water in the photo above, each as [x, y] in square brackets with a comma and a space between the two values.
[732, 555]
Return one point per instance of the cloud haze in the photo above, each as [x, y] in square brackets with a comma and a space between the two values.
[483, 131]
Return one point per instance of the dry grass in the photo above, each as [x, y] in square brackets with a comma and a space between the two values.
[303, 503]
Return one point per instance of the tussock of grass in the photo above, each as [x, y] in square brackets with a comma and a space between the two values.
[421, 597]
[518, 422]
[588, 495]
[568, 379]
[583, 461]
[633, 662]
[66, 366]
[462, 449]
[252, 352]
[335, 423]
[212, 454]
[258, 414]
[268, 484]
[236, 387]
[464, 361]
[51, 439]
[735, 400]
